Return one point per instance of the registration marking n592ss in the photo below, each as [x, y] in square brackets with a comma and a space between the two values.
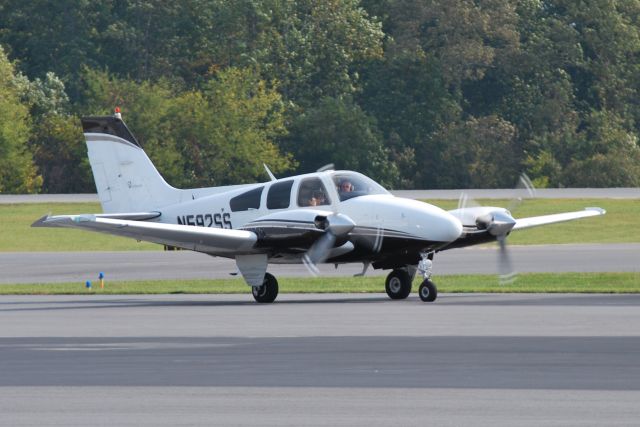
[219, 220]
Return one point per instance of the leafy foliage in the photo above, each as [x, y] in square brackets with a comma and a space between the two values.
[219, 135]
[17, 171]
[486, 146]
[429, 93]
[337, 131]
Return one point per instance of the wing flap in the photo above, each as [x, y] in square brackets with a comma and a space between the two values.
[203, 239]
[134, 216]
[536, 221]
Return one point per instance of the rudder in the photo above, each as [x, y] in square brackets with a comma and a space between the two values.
[125, 177]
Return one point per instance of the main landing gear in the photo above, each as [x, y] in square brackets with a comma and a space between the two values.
[268, 291]
[398, 283]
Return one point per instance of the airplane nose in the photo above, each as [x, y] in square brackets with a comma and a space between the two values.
[447, 227]
[428, 221]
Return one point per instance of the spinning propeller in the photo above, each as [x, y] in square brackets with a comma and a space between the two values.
[497, 221]
[334, 226]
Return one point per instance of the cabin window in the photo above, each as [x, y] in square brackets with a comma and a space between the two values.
[246, 201]
[312, 193]
[352, 184]
[279, 196]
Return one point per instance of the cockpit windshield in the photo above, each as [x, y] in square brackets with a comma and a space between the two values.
[353, 184]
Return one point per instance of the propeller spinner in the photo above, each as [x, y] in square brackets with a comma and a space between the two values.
[335, 225]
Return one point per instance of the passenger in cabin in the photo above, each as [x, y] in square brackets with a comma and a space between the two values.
[317, 198]
[312, 193]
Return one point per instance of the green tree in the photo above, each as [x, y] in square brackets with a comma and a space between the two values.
[606, 154]
[145, 109]
[228, 131]
[416, 74]
[60, 152]
[617, 168]
[57, 36]
[609, 35]
[56, 140]
[478, 153]
[311, 48]
[410, 101]
[337, 131]
[18, 174]
[220, 135]
[464, 37]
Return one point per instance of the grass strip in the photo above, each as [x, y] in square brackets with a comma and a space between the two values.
[526, 283]
[619, 225]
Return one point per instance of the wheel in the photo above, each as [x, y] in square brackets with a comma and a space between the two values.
[398, 284]
[428, 291]
[268, 291]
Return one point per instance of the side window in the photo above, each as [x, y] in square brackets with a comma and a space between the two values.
[312, 193]
[279, 195]
[246, 201]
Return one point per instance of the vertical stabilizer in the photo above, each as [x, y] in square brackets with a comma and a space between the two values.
[125, 178]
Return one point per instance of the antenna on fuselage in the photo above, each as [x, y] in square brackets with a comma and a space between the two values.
[271, 175]
[328, 167]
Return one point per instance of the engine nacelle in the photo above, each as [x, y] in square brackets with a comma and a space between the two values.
[497, 221]
[335, 223]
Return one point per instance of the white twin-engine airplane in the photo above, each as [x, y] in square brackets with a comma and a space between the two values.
[328, 216]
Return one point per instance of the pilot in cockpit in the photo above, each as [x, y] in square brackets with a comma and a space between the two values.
[345, 186]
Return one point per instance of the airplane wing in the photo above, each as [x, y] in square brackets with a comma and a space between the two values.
[486, 224]
[218, 241]
[535, 221]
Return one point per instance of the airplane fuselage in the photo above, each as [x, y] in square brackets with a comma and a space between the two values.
[280, 214]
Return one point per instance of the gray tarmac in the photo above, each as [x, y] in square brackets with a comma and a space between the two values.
[482, 360]
[33, 267]
[320, 360]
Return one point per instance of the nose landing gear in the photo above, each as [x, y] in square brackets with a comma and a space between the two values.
[398, 283]
[427, 290]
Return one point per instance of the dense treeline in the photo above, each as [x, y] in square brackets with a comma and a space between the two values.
[414, 93]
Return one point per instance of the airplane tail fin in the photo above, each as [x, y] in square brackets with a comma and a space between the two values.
[125, 177]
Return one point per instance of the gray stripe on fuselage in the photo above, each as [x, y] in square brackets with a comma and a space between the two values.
[358, 231]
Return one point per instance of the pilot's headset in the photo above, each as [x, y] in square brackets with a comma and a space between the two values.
[346, 186]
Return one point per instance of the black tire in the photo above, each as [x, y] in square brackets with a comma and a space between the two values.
[268, 291]
[428, 291]
[398, 284]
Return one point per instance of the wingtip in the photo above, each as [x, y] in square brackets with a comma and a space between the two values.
[62, 220]
[600, 211]
[40, 222]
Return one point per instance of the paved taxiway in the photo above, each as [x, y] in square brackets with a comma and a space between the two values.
[35, 267]
[320, 359]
